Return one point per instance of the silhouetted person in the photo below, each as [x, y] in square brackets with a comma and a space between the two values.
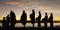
[23, 18]
[51, 20]
[45, 19]
[39, 19]
[32, 17]
[12, 19]
[4, 22]
[7, 21]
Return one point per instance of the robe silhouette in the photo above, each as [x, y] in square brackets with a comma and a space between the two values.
[38, 19]
[32, 17]
[23, 18]
[12, 19]
[45, 19]
[7, 21]
[4, 22]
[51, 20]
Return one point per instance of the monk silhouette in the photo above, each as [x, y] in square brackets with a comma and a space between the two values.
[23, 18]
[4, 22]
[32, 17]
[51, 20]
[12, 19]
[38, 19]
[45, 19]
[7, 21]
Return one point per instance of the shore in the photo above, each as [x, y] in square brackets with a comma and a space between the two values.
[31, 28]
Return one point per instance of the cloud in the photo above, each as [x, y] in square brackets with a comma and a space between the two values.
[12, 3]
[16, 4]
[29, 2]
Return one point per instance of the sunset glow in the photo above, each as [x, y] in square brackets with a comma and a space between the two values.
[28, 5]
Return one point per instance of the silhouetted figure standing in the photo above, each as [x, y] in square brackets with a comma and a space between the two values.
[12, 19]
[23, 18]
[32, 17]
[51, 20]
[45, 19]
[39, 19]
[7, 21]
[4, 22]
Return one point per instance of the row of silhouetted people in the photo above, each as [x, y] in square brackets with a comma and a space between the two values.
[11, 18]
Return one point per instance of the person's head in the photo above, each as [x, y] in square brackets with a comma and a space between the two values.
[39, 12]
[45, 13]
[23, 11]
[8, 15]
[33, 10]
[51, 13]
[11, 11]
[3, 18]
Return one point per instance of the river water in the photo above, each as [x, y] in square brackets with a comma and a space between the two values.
[35, 25]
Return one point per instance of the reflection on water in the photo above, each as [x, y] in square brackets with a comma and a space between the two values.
[30, 25]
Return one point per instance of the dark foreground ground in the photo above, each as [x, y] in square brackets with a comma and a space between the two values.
[31, 28]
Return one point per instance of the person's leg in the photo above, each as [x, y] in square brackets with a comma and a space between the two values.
[45, 25]
[51, 24]
[12, 25]
[24, 25]
[39, 24]
[7, 25]
[33, 24]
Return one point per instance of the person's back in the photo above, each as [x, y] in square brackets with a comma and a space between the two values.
[45, 20]
[38, 19]
[46, 17]
[12, 15]
[32, 16]
[12, 19]
[7, 21]
[51, 17]
[4, 22]
[23, 18]
[51, 20]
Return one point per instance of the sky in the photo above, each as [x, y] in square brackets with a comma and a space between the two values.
[18, 6]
